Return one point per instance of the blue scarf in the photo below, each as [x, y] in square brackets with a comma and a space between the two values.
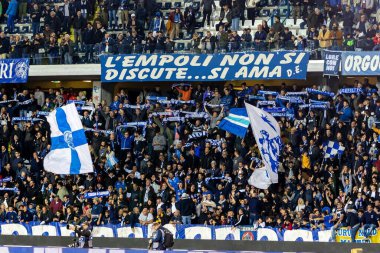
[350, 90]
[267, 92]
[296, 93]
[90, 195]
[157, 24]
[274, 109]
[319, 92]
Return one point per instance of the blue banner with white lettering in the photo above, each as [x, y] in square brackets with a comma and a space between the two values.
[331, 63]
[14, 70]
[361, 63]
[204, 67]
[199, 232]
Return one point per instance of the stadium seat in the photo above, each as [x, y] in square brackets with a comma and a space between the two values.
[177, 4]
[167, 6]
[200, 34]
[247, 24]
[17, 29]
[198, 25]
[265, 13]
[284, 12]
[25, 29]
[197, 15]
[180, 46]
[159, 5]
[196, 6]
[6, 29]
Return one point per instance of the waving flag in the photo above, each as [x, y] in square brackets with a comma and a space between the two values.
[236, 122]
[69, 153]
[332, 148]
[267, 134]
[260, 178]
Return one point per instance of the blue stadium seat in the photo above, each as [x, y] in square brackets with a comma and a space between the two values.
[25, 29]
[167, 6]
[197, 15]
[196, 6]
[16, 30]
[6, 29]
[180, 46]
[257, 13]
[181, 35]
[263, 3]
[265, 13]
[159, 5]
[198, 25]
[276, 12]
[200, 34]
[177, 4]
[284, 12]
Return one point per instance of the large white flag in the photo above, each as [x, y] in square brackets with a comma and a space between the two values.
[69, 153]
[267, 135]
[260, 178]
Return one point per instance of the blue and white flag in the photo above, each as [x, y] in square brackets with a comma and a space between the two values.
[236, 122]
[69, 153]
[267, 135]
[332, 148]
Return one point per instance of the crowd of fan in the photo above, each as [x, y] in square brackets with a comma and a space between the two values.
[144, 29]
[173, 165]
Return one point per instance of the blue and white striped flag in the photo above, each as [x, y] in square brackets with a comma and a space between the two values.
[332, 148]
[69, 153]
[267, 135]
[236, 122]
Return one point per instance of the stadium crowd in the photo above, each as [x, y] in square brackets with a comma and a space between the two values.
[162, 158]
[123, 26]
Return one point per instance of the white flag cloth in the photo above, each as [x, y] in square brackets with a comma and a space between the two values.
[260, 179]
[69, 153]
[267, 135]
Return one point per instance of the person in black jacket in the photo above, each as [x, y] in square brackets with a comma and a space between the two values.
[68, 15]
[190, 20]
[160, 45]
[89, 42]
[186, 207]
[352, 221]
[36, 16]
[45, 216]
[348, 20]
[207, 10]
[54, 22]
[79, 24]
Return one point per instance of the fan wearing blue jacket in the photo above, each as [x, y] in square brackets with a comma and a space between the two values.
[11, 14]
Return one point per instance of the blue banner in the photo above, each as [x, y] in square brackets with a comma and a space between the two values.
[14, 70]
[15, 249]
[191, 232]
[361, 63]
[204, 67]
[331, 63]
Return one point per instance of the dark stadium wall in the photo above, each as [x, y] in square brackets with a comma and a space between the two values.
[206, 245]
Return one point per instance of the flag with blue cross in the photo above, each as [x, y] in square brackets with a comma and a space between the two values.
[69, 152]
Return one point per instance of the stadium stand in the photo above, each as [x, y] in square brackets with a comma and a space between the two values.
[160, 165]
[128, 23]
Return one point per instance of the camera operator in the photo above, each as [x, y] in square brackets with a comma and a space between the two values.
[157, 242]
[84, 234]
